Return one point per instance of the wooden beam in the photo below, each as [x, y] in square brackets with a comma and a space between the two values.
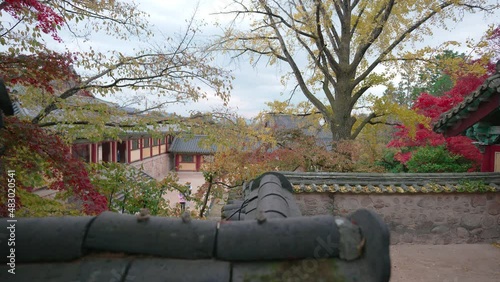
[482, 111]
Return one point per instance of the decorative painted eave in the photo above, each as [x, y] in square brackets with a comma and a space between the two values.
[387, 183]
[486, 94]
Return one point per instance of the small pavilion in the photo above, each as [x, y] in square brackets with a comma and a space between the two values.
[478, 117]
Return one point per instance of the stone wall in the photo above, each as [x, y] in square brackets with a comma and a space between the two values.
[157, 166]
[419, 218]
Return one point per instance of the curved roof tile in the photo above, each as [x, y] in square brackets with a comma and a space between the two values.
[191, 145]
[470, 103]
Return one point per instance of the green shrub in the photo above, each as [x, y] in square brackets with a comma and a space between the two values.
[389, 163]
[437, 159]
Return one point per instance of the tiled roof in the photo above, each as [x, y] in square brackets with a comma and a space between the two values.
[269, 194]
[117, 247]
[470, 103]
[286, 122]
[120, 247]
[393, 182]
[117, 116]
[191, 145]
[76, 100]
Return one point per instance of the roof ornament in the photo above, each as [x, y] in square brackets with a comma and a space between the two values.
[261, 217]
[143, 215]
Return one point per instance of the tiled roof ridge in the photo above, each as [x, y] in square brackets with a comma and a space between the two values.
[269, 246]
[57, 239]
[293, 177]
[393, 182]
[268, 195]
[491, 83]
[355, 248]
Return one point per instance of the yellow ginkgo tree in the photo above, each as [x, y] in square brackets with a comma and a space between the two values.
[337, 50]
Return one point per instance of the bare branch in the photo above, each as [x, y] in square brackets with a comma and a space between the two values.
[316, 102]
[397, 41]
[384, 13]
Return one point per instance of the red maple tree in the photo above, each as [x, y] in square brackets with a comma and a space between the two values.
[433, 107]
[47, 20]
[38, 70]
[28, 62]
[63, 172]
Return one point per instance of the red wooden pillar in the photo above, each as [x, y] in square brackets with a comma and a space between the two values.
[166, 143]
[113, 151]
[129, 150]
[198, 162]
[488, 164]
[140, 146]
[177, 157]
[93, 153]
[150, 146]
[485, 166]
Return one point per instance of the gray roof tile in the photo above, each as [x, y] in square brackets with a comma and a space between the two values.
[117, 247]
[53, 238]
[287, 122]
[155, 269]
[277, 239]
[166, 237]
[269, 194]
[90, 270]
[191, 145]
[338, 182]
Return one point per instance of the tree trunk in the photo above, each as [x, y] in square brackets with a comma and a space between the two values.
[205, 201]
[342, 120]
[341, 125]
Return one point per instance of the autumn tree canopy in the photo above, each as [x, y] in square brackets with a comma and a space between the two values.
[175, 69]
[335, 48]
[459, 147]
[49, 76]
[29, 26]
[41, 159]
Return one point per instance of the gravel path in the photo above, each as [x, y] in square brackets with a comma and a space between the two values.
[445, 263]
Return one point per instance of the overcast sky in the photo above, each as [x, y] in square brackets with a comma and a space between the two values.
[255, 86]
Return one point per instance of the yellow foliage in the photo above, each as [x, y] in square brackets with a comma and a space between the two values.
[388, 110]
[337, 52]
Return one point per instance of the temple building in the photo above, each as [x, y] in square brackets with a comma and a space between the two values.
[478, 117]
